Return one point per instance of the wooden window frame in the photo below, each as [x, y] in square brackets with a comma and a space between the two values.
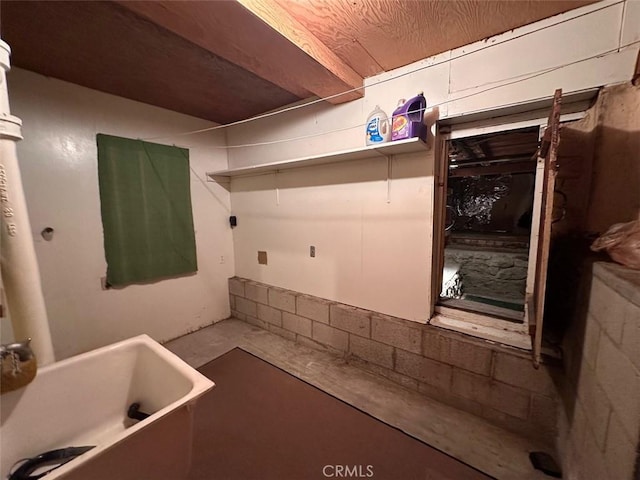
[527, 335]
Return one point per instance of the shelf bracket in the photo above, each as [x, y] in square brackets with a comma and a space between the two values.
[389, 176]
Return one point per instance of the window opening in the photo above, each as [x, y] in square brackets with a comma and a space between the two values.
[490, 184]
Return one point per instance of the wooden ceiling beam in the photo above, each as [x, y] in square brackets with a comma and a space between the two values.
[118, 52]
[281, 21]
[504, 168]
[261, 37]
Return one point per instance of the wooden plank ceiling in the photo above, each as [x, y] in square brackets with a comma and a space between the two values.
[229, 60]
[494, 153]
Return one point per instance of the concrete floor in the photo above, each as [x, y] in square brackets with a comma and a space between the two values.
[473, 440]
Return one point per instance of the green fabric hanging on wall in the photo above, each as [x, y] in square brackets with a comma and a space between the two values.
[145, 199]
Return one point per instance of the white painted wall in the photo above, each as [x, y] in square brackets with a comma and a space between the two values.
[361, 239]
[374, 254]
[58, 160]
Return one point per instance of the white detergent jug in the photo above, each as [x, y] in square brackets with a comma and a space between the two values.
[378, 128]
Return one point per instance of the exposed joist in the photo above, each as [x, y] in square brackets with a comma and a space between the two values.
[260, 37]
[118, 52]
[280, 20]
[517, 167]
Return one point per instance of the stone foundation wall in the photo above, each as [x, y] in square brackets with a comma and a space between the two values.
[499, 274]
[493, 382]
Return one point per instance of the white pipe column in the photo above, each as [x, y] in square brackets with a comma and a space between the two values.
[19, 266]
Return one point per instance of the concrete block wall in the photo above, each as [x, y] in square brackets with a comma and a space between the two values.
[491, 381]
[600, 424]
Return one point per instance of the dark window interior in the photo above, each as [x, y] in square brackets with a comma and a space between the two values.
[490, 191]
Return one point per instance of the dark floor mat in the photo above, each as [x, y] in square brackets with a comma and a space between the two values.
[260, 422]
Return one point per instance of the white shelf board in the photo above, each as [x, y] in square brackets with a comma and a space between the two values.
[409, 145]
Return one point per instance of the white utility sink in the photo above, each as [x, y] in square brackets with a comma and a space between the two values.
[84, 401]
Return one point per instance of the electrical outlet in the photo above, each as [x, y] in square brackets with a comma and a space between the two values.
[262, 257]
[222, 259]
[312, 251]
